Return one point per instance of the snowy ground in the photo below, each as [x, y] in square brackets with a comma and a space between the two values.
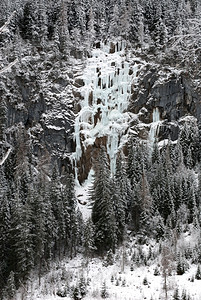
[82, 193]
[130, 283]
[122, 281]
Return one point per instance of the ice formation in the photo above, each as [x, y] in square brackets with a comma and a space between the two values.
[154, 128]
[107, 87]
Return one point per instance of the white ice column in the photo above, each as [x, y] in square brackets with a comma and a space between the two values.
[153, 132]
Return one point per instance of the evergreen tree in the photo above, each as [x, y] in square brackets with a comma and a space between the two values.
[64, 28]
[21, 238]
[146, 205]
[40, 209]
[137, 23]
[70, 216]
[198, 273]
[103, 215]
[10, 287]
[5, 223]
[82, 286]
[3, 119]
[114, 30]
[176, 295]
[91, 34]
[104, 292]
[121, 196]
[88, 239]
[181, 264]
[136, 207]
[56, 201]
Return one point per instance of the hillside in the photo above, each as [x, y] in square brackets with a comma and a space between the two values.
[100, 149]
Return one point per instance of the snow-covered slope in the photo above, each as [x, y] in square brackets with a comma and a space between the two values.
[121, 276]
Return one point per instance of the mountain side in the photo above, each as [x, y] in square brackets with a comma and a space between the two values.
[100, 142]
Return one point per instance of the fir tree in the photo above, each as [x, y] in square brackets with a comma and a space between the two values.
[198, 273]
[103, 215]
[176, 295]
[104, 292]
[10, 286]
[88, 239]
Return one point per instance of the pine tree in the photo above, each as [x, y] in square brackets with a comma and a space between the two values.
[104, 292]
[70, 216]
[136, 32]
[121, 196]
[146, 205]
[176, 295]
[91, 34]
[198, 273]
[88, 239]
[10, 287]
[166, 265]
[82, 286]
[21, 238]
[63, 28]
[114, 22]
[103, 215]
[57, 205]
[41, 238]
[181, 264]
[3, 119]
[136, 207]
[5, 223]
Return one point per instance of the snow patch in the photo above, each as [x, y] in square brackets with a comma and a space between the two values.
[82, 193]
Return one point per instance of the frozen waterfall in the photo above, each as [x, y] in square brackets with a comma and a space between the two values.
[107, 86]
[154, 128]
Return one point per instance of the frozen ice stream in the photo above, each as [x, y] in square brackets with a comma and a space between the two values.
[107, 87]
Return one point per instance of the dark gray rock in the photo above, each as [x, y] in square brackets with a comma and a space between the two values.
[175, 96]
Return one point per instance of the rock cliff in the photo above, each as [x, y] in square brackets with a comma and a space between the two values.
[74, 106]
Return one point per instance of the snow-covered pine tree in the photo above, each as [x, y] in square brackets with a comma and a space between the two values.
[70, 216]
[10, 290]
[88, 239]
[121, 196]
[5, 223]
[103, 215]
[146, 203]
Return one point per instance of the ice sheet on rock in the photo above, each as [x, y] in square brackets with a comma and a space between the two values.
[154, 128]
[106, 90]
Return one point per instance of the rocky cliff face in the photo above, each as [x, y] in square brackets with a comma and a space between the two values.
[37, 93]
[173, 92]
[169, 89]
[76, 106]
